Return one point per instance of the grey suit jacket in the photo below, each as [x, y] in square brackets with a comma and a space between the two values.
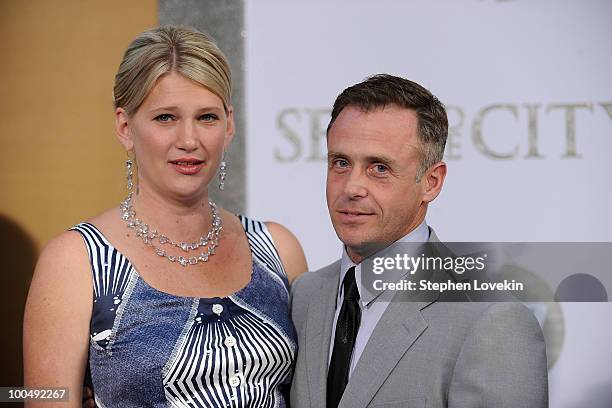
[427, 353]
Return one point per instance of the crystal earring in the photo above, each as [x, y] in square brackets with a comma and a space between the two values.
[222, 174]
[130, 182]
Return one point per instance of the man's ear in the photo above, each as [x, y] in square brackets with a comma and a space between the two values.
[122, 129]
[433, 181]
[230, 128]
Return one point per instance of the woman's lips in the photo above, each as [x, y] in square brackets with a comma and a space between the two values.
[187, 167]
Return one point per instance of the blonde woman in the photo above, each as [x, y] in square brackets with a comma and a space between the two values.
[167, 299]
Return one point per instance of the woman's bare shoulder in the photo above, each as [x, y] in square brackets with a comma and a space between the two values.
[289, 249]
[108, 219]
[66, 253]
[57, 312]
[64, 257]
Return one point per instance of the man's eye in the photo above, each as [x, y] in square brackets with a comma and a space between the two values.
[380, 168]
[164, 117]
[341, 163]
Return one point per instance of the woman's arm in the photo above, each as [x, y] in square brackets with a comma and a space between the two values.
[289, 249]
[56, 320]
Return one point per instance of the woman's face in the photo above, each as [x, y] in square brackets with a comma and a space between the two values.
[178, 135]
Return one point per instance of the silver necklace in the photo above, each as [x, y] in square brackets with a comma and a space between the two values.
[149, 236]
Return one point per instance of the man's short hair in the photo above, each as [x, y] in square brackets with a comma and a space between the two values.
[381, 90]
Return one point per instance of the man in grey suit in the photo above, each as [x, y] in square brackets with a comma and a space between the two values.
[368, 348]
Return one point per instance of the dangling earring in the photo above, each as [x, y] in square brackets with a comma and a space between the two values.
[130, 181]
[222, 173]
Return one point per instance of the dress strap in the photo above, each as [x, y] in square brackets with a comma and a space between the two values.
[111, 274]
[98, 249]
[262, 245]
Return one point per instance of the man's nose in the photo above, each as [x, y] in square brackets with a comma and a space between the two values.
[356, 184]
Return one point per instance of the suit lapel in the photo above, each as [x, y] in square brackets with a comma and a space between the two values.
[318, 335]
[399, 327]
[397, 330]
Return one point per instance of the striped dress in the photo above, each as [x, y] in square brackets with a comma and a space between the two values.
[150, 348]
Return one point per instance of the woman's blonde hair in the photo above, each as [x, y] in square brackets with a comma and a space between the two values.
[165, 49]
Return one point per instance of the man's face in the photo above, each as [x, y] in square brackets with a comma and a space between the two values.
[372, 193]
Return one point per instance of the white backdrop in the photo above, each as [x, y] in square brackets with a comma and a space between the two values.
[527, 86]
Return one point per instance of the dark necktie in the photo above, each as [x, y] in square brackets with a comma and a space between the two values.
[344, 340]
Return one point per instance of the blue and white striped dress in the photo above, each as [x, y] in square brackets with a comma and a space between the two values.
[150, 348]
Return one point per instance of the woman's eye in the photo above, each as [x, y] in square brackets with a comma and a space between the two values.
[164, 117]
[209, 117]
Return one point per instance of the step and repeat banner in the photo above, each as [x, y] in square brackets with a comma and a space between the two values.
[529, 98]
